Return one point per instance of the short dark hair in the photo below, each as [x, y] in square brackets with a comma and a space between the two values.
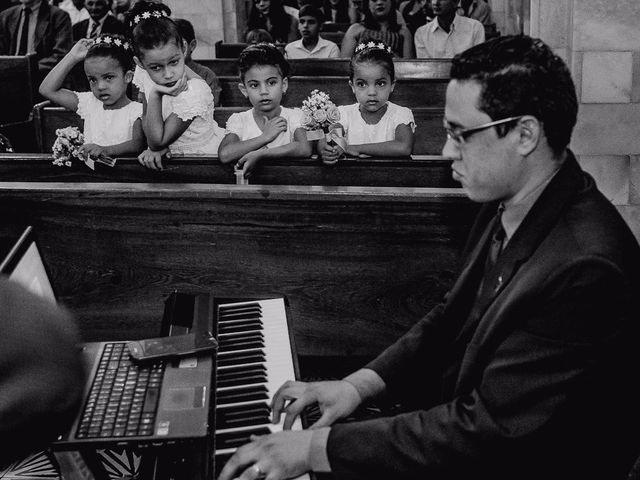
[378, 54]
[262, 54]
[186, 29]
[152, 31]
[124, 56]
[520, 75]
[258, 35]
[311, 11]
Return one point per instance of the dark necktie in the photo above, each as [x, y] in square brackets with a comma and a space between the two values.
[497, 239]
[94, 30]
[24, 36]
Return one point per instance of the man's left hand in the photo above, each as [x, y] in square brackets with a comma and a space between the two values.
[277, 456]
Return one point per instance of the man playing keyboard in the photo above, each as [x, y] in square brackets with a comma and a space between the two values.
[527, 369]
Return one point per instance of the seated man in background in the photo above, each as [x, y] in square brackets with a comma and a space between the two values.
[76, 10]
[311, 45]
[100, 21]
[41, 374]
[477, 9]
[34, 26]
[448, 33]
[188, 34]
[527, 369]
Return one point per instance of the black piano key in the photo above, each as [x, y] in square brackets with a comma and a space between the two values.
[237, 439]
[240, 327]
[243, 394]
[229, 317]
[235, 308]
[244, 380]
[237, 373]
[241, 358]
[242, 416]
[241, 345]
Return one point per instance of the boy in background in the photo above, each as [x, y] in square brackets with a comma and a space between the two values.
[186, 30]
[311, 45]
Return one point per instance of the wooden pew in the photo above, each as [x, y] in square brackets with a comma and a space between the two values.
[409, 92]
[19, 79]
[47, 119]
[232, 50]
[436, 69]
[421, 171]
[18, 87]
[359, 265]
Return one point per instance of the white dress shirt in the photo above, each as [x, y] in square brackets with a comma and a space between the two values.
[432, 41]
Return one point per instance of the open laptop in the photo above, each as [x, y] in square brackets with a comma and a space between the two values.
[127, 404]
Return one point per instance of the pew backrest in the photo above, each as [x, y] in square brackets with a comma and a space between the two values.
[18, 87]
[429, 138]
[422, 68]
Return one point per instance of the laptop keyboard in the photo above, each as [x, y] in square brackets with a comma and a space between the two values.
[123, 400]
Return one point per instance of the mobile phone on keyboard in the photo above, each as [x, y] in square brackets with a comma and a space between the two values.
[172, 347]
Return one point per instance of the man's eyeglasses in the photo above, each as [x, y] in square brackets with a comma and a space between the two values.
[459, 135]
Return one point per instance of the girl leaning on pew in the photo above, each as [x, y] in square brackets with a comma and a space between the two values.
[373, 126]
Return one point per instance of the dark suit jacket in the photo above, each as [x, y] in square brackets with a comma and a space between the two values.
[52, 37]
[111, 25]
[536, 381]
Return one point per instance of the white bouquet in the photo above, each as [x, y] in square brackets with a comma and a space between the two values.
[320, 119]
[67, 146]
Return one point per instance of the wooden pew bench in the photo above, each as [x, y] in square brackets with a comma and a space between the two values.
[359, 265]
[419, 172]
[19, 79]
[429, 140]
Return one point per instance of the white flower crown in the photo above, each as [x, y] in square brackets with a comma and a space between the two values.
[149, 14]
[371, 45]
[111, 41]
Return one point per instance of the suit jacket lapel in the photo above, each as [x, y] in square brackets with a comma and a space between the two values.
[41, 24]
[532, 231]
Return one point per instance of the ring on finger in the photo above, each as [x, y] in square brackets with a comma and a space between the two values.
[258, 471]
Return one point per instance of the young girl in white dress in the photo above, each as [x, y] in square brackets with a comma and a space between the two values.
[178, 104]
[268, 130]
[374, 126]
[112, 124]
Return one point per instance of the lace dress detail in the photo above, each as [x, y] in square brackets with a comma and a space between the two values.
[203, 135]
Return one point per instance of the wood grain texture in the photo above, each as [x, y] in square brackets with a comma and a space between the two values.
[359, 265]
[424, 171]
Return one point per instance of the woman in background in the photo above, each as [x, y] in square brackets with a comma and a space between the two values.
[271, 16]
[380, 25]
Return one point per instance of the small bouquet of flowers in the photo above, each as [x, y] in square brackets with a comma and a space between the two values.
[320, 119]
[67, 146]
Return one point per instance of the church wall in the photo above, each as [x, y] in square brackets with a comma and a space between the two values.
[601, 42]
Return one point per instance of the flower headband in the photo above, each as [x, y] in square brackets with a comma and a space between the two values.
[112, 41]
[148, 14]
[370, 45]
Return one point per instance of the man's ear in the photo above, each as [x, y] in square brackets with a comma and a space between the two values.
[138, 62]
[243, 90]
[192, 45]
[285, 84]
[393, 86]
[530, 131]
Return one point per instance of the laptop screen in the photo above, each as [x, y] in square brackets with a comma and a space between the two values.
[24, 265]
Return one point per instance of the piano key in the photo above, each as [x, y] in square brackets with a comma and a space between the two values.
[277, 358]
